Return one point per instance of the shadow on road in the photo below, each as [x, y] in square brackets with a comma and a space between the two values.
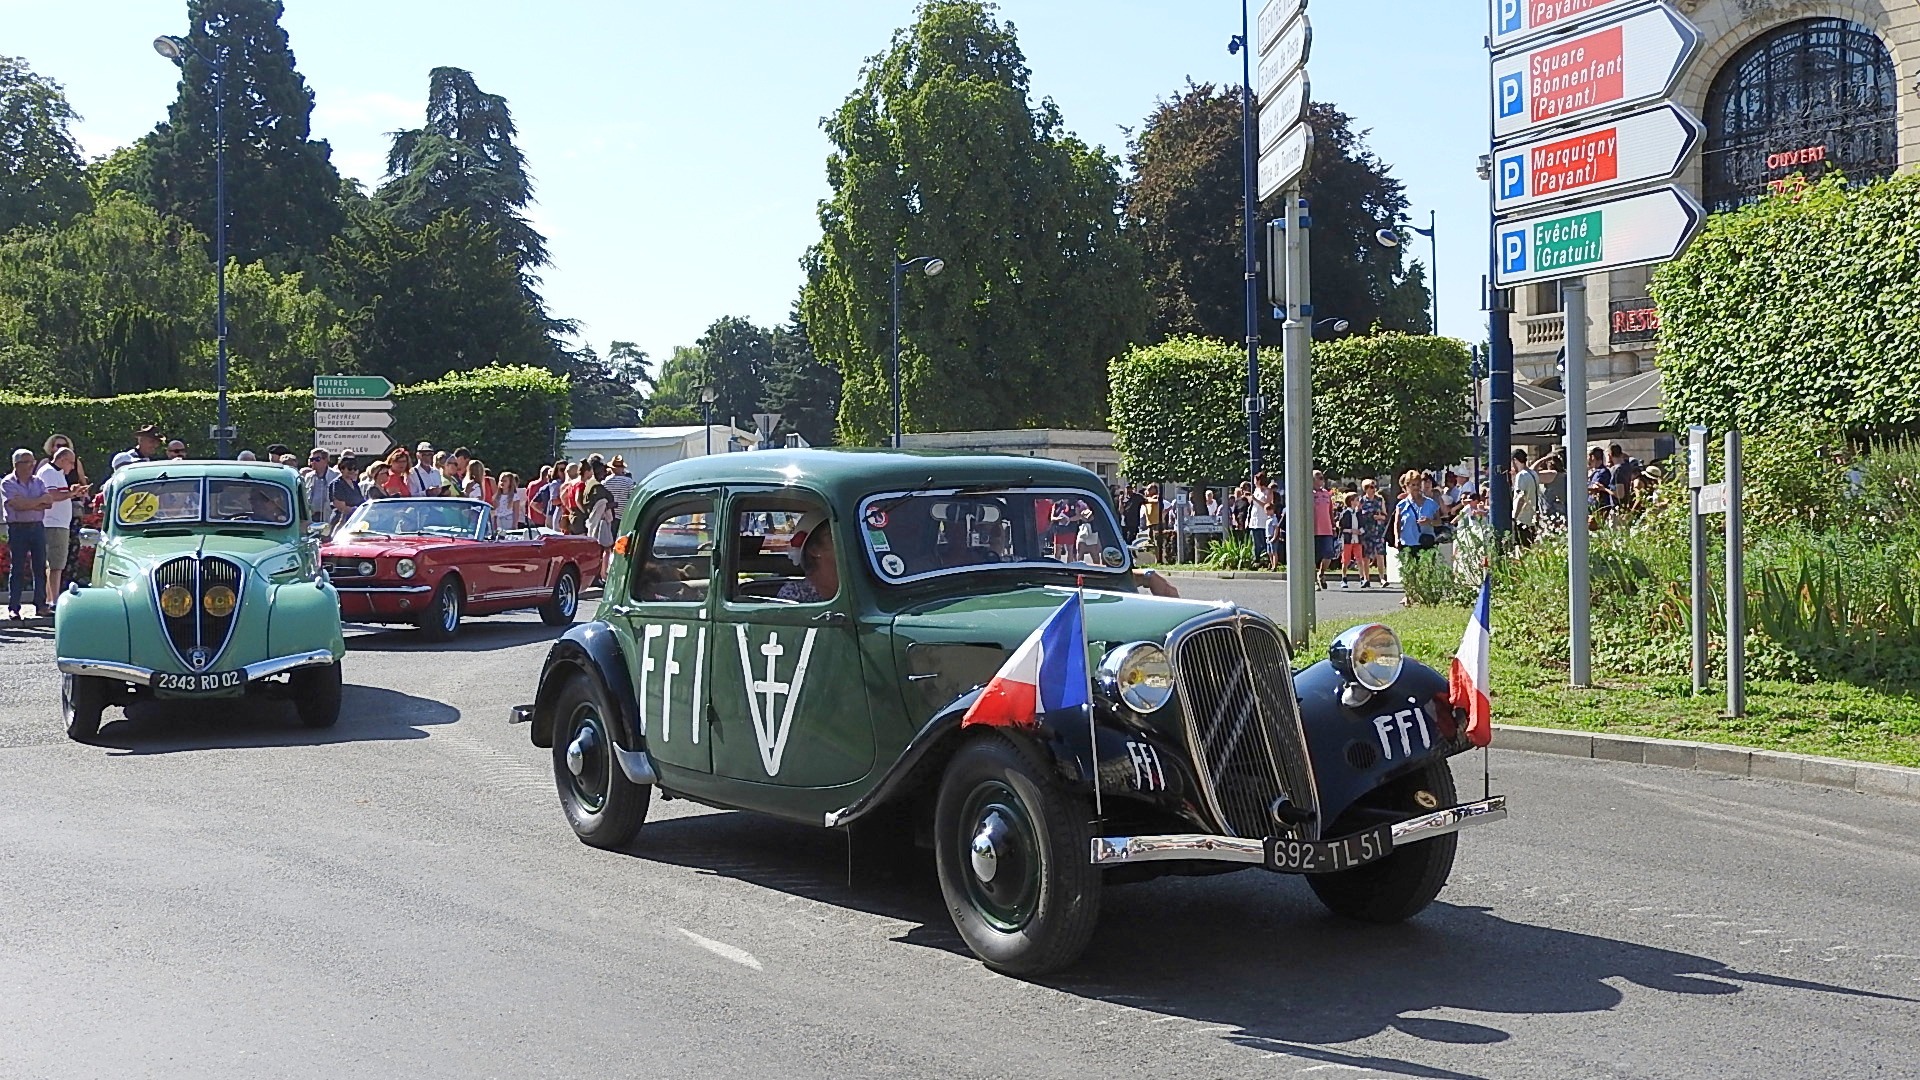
[477, 636]
[1251, 951]
[367, 714]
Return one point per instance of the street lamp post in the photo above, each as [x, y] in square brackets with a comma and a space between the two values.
[1391, 238]
[1338, 326]
[1242, 44]
[176, 49]
[708, 395]
[933, 268]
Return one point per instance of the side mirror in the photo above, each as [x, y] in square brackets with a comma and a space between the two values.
[90, 537]
[316, 528]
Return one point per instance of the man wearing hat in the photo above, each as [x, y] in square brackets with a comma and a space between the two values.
[620, 485]
[146, 447]
[423, 478]
[344, 490]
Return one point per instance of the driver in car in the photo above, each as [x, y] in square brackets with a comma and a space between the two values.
[813, 550]
[267, 503]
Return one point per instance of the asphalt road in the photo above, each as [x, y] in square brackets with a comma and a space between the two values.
[225, 894]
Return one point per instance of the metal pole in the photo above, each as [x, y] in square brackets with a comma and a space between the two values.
[1298, 381]
[706, 417]
[896, 352]
[1736, 587]
[1573, 303]
[1500, 369]
[1433, 267]
[223, 446]
[1697, 543]
[1474, 372]
[1249, 215]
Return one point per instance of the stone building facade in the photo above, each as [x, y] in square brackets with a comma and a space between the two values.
[1787, 90]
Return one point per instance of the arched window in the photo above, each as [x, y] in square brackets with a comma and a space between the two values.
[1809, 96]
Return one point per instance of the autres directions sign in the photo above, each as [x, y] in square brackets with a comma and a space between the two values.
[351, 386]
[1599, 68]
[1645, 148]
[1630, 231]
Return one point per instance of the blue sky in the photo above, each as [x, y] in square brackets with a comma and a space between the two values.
[676, 147]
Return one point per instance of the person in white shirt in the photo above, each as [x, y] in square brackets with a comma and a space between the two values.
[423, 478]
[620, 484]
[1526, 500]
[58, 522]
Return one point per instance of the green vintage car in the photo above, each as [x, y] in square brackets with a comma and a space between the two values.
[806, 634]
[207, 585]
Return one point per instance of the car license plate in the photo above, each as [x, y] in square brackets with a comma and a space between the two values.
[199, 684]
[1328, 856]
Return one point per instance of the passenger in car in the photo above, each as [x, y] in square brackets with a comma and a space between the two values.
[813, 550]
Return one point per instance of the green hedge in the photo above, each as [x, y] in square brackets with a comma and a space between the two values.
[1800, 308]
[512, 417]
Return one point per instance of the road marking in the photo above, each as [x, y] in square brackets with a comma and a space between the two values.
[723, 950]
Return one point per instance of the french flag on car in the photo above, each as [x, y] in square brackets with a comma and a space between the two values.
[1047, 673]
[1467, 683]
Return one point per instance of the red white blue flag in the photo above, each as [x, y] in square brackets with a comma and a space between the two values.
[1467, 684]
[1047, 673]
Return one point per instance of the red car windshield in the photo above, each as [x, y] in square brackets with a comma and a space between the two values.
[459, 519]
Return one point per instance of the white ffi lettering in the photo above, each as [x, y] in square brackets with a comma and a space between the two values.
[1384, 725]
[674, 633]
[646, 668]
[1420, 721]
[699, 718]
[1406, 744]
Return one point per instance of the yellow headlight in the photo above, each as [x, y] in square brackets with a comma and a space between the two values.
[176, 602]
[218, 602]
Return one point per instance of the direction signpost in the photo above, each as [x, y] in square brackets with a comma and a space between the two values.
[1516, 21]
[1592, 70]
[1644, 148]
[351, 414]
[1650, 227]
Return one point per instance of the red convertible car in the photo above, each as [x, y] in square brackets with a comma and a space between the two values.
[432, 561]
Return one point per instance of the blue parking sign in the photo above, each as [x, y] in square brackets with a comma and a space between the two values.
[1513, 252]
[1509, 17]
[1513, 177]
[1512, 94]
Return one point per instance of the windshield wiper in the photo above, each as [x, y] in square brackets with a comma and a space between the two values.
[240, 532]
[166, 532]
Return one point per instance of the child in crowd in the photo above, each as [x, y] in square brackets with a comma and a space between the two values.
[1353, 534]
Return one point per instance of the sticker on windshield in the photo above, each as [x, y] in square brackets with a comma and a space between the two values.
[894, 565]
[1113, 557]
[138, 507]
[878, 540]
[877, 518]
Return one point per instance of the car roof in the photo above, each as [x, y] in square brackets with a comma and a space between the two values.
[847, 475]
[191, 469]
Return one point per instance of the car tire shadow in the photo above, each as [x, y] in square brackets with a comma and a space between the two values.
[367, 714]
[473, 637]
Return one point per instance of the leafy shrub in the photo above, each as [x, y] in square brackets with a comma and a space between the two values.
[1427, 580]
[1229, 553]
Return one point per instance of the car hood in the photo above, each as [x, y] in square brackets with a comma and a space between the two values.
[400, 547]
[135, 551]
[1008, 618]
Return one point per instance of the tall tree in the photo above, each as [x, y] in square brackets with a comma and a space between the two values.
[603, 391]
[42, 180]
[804, 391]
[464, 158]
[283, 194]
[1185, 205]
[940, 151]
[738, 355]
[422, 303]
[676, 395]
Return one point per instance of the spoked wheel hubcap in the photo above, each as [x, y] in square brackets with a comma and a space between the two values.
[1001, 856]
[450, 609]
[569, 596]
[589, 757]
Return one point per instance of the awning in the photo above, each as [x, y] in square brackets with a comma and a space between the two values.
[1631, 405]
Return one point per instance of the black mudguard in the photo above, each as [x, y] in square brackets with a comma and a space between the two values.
[593, 649]
[1357, 749]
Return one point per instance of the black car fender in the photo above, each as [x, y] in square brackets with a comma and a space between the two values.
[1356, 749]
[590, 648]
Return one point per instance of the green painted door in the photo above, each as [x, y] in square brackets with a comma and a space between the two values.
[663, 620]
[787, 688]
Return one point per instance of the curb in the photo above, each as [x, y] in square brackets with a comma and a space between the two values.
[1247, 575]
[1892, 781]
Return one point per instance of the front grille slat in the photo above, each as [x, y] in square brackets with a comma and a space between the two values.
[197, 633]
[1243, 724]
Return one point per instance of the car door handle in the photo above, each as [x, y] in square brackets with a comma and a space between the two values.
[830, 618]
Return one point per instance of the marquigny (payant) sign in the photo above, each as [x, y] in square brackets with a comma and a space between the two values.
[1594, 70]
[1644, 148]
[1650, 227]
[1515, 21]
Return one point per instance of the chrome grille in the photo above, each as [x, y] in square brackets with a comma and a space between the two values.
[183, 632]
[215, 631]
[347, 568]
[1243, 724]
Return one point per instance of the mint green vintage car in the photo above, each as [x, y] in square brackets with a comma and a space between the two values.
[207, 585]
[808, 634]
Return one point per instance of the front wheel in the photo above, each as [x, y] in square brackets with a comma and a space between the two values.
[442, 620]
[560, 607]
[605, 808]
[1401, 885]
[82, 699]
[316, 695]
[1014, 852]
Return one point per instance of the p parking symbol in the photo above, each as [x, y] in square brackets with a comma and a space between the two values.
[1512, 95]
[1513, 177]
[1513, 252]
[1509, 16]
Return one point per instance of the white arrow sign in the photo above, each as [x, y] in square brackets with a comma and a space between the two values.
[1283, 164]
[1599, 69]
[345, 420]
[1643, 148]
[354, 404]
[361, 444]
[1288, 55]
[1651, 227]
[1286, 109]
[1273, 19]
[1515, 21]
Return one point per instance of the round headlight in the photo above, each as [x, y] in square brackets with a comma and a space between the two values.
[176, 602]
[366, 568]
[1139, 675]
[218, 602]
[1369, 655]
[404, 568]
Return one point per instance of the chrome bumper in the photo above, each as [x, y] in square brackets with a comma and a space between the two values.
[141, 676]
[409, 590]
[1113, 850]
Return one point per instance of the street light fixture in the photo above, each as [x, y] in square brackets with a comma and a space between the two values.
[177, 49]
[1338, 326]
[1390, 238]
[932, 267]
[708, 395]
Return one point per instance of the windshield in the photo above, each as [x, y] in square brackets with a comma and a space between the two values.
[456, 518]
[931, 533]
[192, 500]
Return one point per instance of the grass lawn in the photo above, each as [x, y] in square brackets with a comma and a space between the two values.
[1833, 719]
